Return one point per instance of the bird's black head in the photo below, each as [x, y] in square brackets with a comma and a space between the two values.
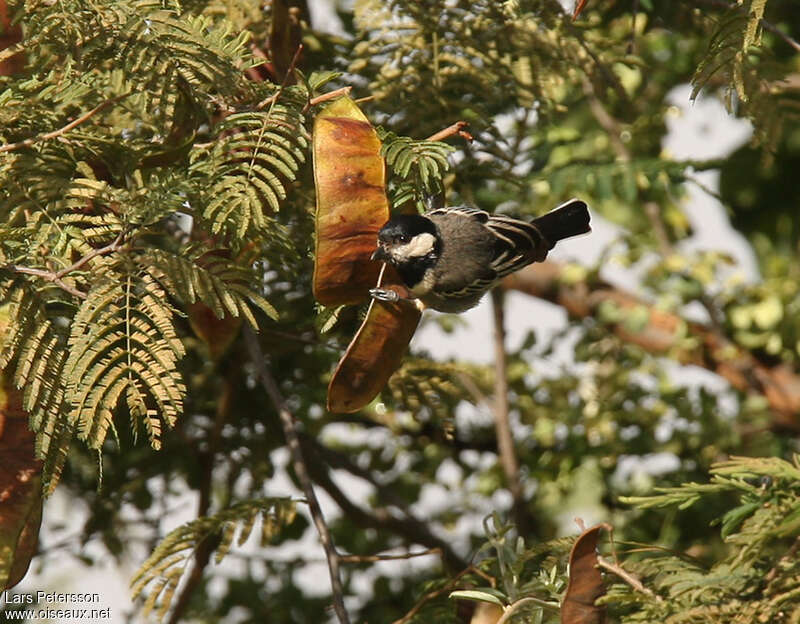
[409, 242]
[407, 237]
[401, 229]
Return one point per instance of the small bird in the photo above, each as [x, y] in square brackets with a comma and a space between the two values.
[449, 258]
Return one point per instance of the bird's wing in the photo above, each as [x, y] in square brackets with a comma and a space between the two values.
[463, 211]
[517, 244]
[475, 287]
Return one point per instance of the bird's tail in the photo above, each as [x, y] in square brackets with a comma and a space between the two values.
[569, 219]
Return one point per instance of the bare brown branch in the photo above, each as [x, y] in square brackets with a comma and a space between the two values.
[299, 464]
[48, 276]
[408, 526]
[626, 576]
[57, 133]
[668, 334]
[505, 438]
[206, 548]
[456, 128]
[270, 101]
[330, 95]
[612, 127]
[376, 558]
[56, 277]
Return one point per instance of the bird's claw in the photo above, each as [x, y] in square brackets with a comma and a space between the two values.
[383, 294]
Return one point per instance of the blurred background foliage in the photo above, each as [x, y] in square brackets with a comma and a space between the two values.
[557, 108]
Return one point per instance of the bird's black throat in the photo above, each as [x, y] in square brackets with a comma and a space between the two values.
[413, 270]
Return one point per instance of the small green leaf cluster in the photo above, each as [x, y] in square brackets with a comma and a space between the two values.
[417, 168]
[159, 575]
[758, 575]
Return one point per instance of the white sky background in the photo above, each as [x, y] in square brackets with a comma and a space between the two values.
[699, 131]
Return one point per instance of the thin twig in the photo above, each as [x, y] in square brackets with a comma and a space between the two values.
[626, 576]
[274, 97]
[56, 133]
[293, 442]
[50, 277]
[376, 558]
[514, 607]
[56, 277]
[10, 51]
[653, 212]
[323, 458]
[456, 128]
[478, 397]
[578, 8]
[314, 342]
[634, 15]
[110, 248]
[330, 95]
[651, 209]
[610, 76]
[505, 439]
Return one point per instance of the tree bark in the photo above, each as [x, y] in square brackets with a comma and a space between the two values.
[666, 334]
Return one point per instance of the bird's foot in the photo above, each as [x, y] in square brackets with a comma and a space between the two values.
[383, 294]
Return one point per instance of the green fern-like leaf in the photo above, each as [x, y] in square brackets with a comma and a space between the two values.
[417, 167]
[257, 155]
[34, 350]
[159, 576]
[212, 279]
[123, 341]
[164, 51]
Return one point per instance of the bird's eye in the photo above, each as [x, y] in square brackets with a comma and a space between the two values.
[401, 238]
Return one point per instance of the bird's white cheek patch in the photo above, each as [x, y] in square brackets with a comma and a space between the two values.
[419, 246]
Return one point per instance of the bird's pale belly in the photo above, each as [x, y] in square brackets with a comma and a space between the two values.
[451, 304]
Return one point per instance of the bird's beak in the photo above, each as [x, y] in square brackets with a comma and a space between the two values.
[379, 254]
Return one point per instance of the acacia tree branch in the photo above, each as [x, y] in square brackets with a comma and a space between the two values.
[300, 468]
[607, 121]
[56, 277]
[101, 251]
[456, 128]
[274, 97]
[626, 576]
[50, 277]
[376, 558]
[407, 526]
[668, 334]
[324, 97]
[651, 208]
[63, 130]
[505, 438]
